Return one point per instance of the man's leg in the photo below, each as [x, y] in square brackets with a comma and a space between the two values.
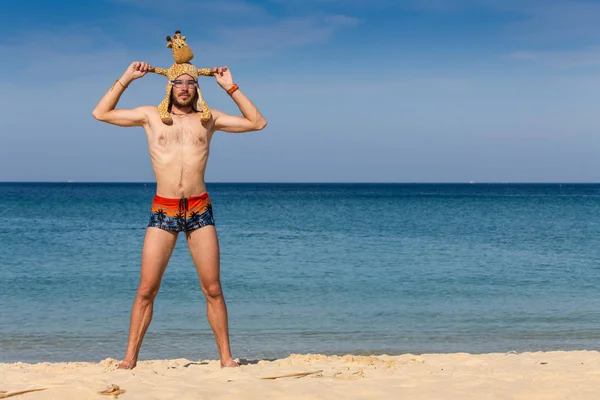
[157, 249]
[204, 248]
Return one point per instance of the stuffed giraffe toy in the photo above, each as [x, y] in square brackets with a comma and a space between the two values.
[182, 54]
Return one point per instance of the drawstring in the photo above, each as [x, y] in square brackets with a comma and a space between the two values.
[183, 206]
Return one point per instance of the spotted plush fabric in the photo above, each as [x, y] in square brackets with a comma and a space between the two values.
[182, 54]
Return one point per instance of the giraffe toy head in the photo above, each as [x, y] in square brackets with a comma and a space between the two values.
[182, 53]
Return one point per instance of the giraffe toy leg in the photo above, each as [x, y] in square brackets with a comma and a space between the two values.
[206, 114]
[163, 107]
[203, 108]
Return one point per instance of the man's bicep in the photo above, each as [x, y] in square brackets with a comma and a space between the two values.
[233, 124]
[124, 117]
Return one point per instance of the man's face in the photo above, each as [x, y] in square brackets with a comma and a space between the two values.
[184, 91]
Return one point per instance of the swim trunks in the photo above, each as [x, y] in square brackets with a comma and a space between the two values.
[181, 215]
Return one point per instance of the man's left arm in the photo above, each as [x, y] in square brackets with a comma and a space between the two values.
[252, 119]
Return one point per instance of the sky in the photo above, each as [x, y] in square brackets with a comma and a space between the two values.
[353, 90]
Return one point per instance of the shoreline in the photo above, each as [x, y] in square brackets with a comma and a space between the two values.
[529, 375]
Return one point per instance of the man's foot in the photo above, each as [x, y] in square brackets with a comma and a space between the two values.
[229, 364]
[127, 365]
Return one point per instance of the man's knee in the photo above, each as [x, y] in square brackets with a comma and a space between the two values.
[212, 290]
[147, 292]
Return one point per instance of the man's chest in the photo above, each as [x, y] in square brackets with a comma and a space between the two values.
[182, 133]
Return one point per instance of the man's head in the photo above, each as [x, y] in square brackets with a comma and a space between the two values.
[182, 85]
[184, 92]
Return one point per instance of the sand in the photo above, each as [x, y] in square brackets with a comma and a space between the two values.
[541, 375]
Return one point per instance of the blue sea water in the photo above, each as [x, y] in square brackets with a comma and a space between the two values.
[307, 268]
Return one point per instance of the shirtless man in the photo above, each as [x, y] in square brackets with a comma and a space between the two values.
[179, 154]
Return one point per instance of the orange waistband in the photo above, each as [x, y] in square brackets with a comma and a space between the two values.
[172, 202]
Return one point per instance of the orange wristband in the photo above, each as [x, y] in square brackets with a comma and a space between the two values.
[232, 89]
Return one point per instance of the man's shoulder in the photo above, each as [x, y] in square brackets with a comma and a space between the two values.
[216, 112]
[148, 110]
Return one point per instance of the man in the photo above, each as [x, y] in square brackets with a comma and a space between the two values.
[179, 154]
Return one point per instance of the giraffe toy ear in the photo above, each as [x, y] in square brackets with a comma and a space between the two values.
[178, 35]
[170, 44]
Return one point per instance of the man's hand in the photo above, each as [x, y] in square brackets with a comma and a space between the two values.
[135, 71]
[105, 110]
[223, 77]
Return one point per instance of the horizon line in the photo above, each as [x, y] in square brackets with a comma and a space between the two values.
[335, 182]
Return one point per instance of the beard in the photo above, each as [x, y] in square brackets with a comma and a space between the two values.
[179, 102]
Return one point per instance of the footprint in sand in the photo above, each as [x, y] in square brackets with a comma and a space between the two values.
[351, 377]
[112, 390]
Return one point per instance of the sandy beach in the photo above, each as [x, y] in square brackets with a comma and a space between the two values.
[541, 375]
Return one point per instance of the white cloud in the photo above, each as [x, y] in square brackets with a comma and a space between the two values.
[283, 34]
[524, 55]
[95, 44]
[563, 60]
[554, 20]
[536, 20]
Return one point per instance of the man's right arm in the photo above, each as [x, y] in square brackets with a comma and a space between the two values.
[105, 110]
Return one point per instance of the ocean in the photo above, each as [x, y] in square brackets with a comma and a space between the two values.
[307, 268]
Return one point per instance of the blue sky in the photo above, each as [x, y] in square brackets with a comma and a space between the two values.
[353, 90]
